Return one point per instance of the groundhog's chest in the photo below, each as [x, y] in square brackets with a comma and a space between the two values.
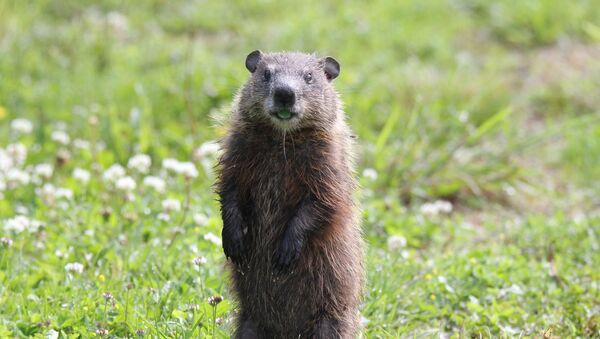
[273, 183]
[274, 192]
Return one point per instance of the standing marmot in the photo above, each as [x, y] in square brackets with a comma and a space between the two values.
[290, 225]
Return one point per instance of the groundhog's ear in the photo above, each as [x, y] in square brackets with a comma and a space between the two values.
[331, 68]
[252, 60]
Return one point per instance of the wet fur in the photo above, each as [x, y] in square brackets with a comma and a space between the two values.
[290, 221]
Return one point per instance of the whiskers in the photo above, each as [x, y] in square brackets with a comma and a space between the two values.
[284, 156]
[285, 136]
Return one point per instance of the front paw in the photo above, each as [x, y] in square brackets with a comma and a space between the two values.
[233, 243]
[288, 252]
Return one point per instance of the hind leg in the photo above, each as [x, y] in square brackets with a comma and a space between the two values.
[327, 328]
[249, 329]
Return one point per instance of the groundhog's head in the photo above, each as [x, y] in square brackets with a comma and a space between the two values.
[290, 90]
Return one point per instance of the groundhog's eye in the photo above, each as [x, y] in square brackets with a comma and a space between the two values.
[267, 75]
[308, 77]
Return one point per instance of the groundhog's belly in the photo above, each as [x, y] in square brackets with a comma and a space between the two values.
[274, 296]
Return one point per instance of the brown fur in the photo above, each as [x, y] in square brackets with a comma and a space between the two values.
[274, 178]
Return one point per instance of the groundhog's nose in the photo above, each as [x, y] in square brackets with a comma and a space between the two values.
[284, 97]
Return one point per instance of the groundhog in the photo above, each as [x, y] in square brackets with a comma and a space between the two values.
[285, 181]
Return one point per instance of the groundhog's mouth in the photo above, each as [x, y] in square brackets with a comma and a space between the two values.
[284, 114]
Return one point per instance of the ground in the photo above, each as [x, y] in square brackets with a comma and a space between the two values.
[478, 142]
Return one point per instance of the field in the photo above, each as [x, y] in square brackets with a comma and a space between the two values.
[478, 155]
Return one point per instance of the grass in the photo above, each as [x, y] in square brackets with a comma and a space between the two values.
[492, 107]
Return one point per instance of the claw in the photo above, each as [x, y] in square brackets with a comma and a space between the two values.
[233, 245]
[287, 254]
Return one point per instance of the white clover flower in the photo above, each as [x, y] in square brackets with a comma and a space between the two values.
[18, 153]
[17, 224]
[113, 173]
[43, 171]
[6, 161]
[34, 225]
[167, 286]
[513, 289]
[60, 137]
[396, 242]
[118, 22]
[171, 205]
[6, 242]
[213, 238]
[81, 144]
[52, 334]
[21, 126]
[81, 175]
[156, 183]
[74, 267]
[214, 300]
[140, 163]
[428, 208]
[187, 169]
[63, 156]
[207, 149]
[126, 184]
[21, 223]
[444, 206]
[200, 219]
[370, 174]
[63, 193]
[436, 207]
[47, 193]
[163, 217]
[16, 177]
[199, 261]
[170, 164]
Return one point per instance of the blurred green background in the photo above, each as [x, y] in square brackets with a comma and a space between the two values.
[478, 155]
